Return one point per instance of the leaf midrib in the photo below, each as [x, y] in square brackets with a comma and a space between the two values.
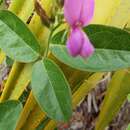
[51, 84]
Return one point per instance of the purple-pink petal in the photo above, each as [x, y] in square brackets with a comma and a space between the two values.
[74, 43]
[78, 12]
[72, 10]
[87, 48]
[87, 11]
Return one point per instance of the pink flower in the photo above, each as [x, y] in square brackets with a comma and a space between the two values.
[78, 14]
[79, 44]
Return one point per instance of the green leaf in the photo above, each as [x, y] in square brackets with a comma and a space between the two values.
[62, 35]
[128, 97]
[117, 92]
[9, 61]
[51, 90]
[1, 1]
[9, 114]
[16, 40]
[112, 50]
[128, 128]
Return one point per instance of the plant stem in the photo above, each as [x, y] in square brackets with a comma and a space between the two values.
[48, 43]
[52, 29]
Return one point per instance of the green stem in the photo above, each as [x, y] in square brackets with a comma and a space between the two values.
[52, 29]
[48, 43]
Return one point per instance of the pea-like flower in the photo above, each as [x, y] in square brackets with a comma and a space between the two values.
[78, 13]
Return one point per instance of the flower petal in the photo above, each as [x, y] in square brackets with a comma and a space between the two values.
[87, 48]
[72, 11]
[87, 11]
[74, 43]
